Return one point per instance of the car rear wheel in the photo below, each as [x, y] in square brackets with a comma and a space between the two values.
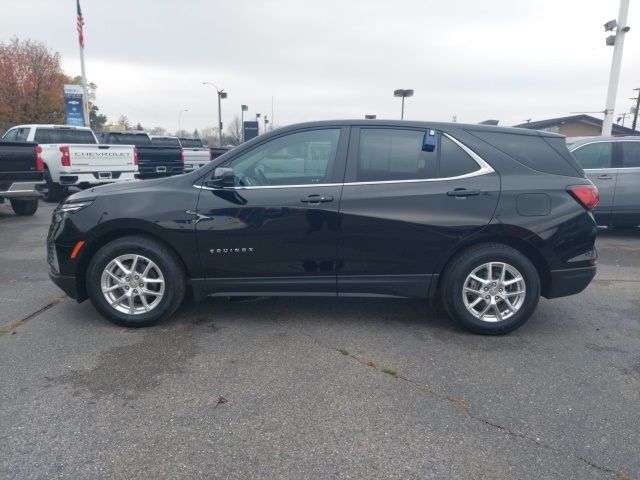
[135, 281]
[24, 206]
[491, 289]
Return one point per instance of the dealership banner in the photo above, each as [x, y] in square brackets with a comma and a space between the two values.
[73, 105]
[250, 130]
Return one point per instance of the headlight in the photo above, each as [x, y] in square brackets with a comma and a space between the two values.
[73, 207]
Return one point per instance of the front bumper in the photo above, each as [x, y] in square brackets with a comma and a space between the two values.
[570, 281]
[66, 283]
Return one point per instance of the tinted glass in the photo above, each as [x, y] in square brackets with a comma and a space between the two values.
[454, 161]
[393, 154]
[295, 159]
[129, 139]
[594, 155]
[166, 142]
[10, 136]
[543, 154]
[23, 134]
[191, 142]
[631, 154]
[64, 135]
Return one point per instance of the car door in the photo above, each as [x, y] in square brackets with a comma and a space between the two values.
[596, 159]
[404, 207]
[275, 231]
[626, 204]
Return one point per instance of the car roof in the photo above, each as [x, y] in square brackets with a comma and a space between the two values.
[577, 141]
[50, 125]
[421, 125]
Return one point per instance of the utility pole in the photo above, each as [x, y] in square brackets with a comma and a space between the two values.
[243, 108]
[617, 41]
[635, 112]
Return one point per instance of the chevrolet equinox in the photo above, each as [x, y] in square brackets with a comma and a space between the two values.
[486, 219]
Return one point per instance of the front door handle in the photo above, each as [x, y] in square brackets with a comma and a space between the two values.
[463, 192]
[604, 176]
[317, 199]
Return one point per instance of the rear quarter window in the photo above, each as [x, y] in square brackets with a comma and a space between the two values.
[454, 161]
[544, 154]
[63, 135]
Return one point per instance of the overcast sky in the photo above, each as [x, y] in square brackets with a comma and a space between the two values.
[503, 59]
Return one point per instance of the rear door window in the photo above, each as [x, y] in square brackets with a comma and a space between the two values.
[387, 154]
[23, 134]
[594, 155]
[64, 135]
[630, 154]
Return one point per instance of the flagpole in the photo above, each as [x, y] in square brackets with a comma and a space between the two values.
[85, 97]
[85, 93]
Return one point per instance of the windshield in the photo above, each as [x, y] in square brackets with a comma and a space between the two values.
[64, 135]
[165, 141]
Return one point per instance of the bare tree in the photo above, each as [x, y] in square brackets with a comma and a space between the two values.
[234, 132]
[210, 135]
[158, 131]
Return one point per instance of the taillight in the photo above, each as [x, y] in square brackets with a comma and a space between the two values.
[135, 156]
[182, 155]
[586, 195]
[39, 160]
[65, 159]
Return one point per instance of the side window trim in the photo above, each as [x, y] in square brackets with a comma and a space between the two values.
[350, 140]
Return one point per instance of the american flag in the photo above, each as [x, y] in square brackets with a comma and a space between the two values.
[79, 25]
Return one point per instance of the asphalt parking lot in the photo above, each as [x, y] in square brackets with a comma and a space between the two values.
[316, 387]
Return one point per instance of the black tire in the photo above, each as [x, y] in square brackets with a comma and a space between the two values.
[52, 192]
[23, 207]
[162, 256]
[465, 263]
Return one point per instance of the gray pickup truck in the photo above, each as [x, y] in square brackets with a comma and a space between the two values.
[613, 165]
[21, 176]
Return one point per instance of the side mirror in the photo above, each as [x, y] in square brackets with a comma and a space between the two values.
[222, 178]
[429, 141]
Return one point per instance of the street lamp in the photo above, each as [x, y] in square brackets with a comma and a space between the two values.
[402, 93]
[221, 94]
[243, 108]
[370, 117]
[180, 113]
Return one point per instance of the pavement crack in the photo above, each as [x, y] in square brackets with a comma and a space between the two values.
[467, 411]
[13, 325]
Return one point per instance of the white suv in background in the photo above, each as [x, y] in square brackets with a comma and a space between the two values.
[73, 157]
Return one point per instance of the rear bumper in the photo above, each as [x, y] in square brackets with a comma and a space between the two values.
[570, 281]
[66, 283]
[95, 178]
[22, 190]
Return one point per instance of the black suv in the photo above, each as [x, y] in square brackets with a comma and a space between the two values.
[485, 218]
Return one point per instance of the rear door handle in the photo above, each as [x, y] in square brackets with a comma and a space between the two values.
[604, 176]
[463, 192]
[317, 199]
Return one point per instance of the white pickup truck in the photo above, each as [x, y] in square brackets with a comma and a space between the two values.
[73, 157]
[194, 153]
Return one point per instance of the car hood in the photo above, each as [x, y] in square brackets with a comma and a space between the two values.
[93, 192]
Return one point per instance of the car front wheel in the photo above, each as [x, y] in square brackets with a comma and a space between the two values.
[491, 289]
[135, 281]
